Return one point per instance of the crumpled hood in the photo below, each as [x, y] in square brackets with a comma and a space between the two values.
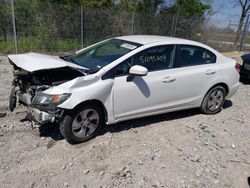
[72, 84]
[34, 61]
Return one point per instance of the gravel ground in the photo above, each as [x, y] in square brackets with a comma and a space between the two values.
[181, 149]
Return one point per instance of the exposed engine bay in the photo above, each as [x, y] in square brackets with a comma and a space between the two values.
[27, 84]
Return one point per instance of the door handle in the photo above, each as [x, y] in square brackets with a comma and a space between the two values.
[210, 71]
[168, 79]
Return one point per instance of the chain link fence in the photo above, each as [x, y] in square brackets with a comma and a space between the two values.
[46, 27]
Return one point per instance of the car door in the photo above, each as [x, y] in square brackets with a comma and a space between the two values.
[144, 94]
[197, 68]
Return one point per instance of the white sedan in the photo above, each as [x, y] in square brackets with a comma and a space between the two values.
[120, 79]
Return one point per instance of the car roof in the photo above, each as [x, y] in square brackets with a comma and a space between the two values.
[146, 39]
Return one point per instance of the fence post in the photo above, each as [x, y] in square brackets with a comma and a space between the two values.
[133, 22]
[172, 26]
[82, 22]
[242, 41]
[175, 24]
[14, 24]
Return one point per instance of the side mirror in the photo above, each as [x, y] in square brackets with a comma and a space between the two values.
[137, 70]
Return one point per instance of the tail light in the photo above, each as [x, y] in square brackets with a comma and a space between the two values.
[237, 67]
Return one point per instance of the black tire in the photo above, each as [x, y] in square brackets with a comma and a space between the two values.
[65, 127]
[61, 129]
[12, 99]
[205, 103]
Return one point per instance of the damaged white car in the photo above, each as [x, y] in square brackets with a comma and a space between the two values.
[120, 79]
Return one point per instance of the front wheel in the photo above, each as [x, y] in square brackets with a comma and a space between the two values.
[12, 99]
[214, 100]
[82, 124]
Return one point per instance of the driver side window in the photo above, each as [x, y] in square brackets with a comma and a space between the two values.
[155, 58]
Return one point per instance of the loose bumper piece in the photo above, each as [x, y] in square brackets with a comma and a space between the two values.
[39, 117]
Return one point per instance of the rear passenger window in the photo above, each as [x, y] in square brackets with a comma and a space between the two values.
[194, 55]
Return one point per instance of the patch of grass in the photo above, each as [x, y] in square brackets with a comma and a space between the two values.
[7, 47]
[26, 44]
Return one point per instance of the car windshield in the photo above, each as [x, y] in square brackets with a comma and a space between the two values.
[102, 54]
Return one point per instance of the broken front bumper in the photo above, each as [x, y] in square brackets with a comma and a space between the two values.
[39, 117]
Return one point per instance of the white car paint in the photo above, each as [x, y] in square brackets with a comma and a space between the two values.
[138, 70]
[158, 92]
[33, 62]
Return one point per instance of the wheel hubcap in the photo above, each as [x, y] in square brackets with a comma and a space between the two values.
[215, 100]
[85, 123]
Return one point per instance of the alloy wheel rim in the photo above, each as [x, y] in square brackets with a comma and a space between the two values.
[215, 100]
[85, 123]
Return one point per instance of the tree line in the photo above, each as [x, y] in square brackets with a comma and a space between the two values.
[55, 24]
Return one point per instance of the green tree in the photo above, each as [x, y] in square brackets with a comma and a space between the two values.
[191, 8]
[189, 16]
[98, 3]
[63, 2]
[5, 16]
[140, 5]
[88, 3]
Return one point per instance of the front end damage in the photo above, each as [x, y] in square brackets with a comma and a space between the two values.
[44, 108]
[39, 117]
[28, 86]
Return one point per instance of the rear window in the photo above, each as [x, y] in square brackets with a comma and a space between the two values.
[195, 55]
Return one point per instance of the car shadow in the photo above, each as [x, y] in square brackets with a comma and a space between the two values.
[227, 104]
[25, 119]
[245, 81]
[145, 121]
[48, 130]
[142, 122]
[52, 130]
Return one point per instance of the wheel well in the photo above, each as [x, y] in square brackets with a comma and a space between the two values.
[96, 103]
[219, 84]
[223, 85]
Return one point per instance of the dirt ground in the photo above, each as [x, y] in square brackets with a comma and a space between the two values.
[181, 149]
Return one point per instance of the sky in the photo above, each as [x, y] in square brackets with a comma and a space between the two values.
[227, 13]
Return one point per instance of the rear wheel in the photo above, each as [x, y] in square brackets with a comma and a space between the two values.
[82, 124]
[214, 100]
